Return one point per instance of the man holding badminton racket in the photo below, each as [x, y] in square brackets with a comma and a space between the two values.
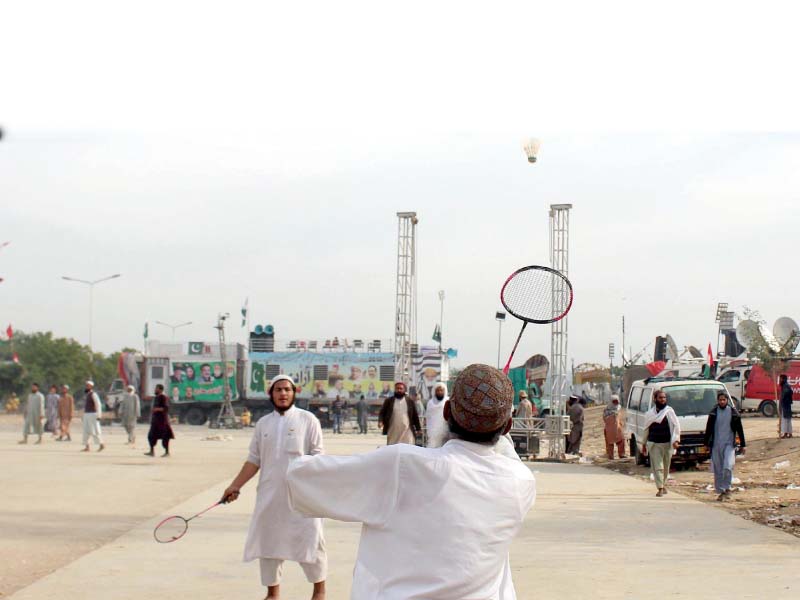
[437, 522]
[276, 532]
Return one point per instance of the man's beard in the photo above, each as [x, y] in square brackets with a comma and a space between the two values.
[399, 395]
[439, 398]
[283, 410]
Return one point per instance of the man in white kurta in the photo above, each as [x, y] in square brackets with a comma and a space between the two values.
[276, 533]
[34, 414]
[437, 522]
[435, 427]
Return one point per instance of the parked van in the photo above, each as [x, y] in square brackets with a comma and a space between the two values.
[753, 389]
[691, 399]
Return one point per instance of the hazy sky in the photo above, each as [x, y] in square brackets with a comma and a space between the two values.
[264, 152]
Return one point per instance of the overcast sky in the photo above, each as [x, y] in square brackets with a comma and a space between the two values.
[209, 157]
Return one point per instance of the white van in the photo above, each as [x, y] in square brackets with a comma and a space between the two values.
[691, 399]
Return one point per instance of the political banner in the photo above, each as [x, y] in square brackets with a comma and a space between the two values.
[201, 381]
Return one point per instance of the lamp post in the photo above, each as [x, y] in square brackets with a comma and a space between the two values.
[441, 318]
[91, 285]
[174, 327]
[500, 316]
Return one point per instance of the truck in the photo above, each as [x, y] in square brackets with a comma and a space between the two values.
[752, 389]
[192, 378]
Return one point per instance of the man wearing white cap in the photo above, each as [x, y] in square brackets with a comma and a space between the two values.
[437, 522]
[276, 532]
[435, 427]
[130, 410]
[92, 411]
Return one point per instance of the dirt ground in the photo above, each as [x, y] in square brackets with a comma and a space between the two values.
[760, 487]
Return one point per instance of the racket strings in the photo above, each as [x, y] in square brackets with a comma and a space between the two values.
[170, 529]
[536, 295]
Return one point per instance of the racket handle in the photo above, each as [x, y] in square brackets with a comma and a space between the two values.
[514, 349]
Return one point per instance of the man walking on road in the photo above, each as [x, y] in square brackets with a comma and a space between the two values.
[34, 414]
[337, 407]
[575, 413]
[66, 407]
[613, 429]
[51, 411]
[786, 407]
[724, 424]
[524, 408]
[160, 426]
[399, 418]
[92, 411]
[361, 413]
[437, 522]
[435, 426]
[276, 532]
[130, 410]
[662, 435]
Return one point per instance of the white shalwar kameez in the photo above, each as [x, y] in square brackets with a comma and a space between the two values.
[437, 522]
[277, 533]
[435, 425]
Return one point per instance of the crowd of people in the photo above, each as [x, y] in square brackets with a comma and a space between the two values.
[54, 414]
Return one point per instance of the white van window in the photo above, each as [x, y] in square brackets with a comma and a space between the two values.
[696, 399]
[636, 395]
[647, 397]
[732, 375]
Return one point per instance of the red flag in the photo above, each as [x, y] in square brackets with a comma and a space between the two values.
[710, 355]
[15, 358]
[656, 367]
[10, 332]
[121, 368]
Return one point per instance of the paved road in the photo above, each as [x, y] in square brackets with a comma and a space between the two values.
[592, 534]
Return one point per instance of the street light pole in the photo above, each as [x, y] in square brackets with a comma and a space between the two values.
[441, 318]
[500, 316]
[91, 285]
[173, 327]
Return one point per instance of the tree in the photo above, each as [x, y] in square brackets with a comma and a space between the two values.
[772, 361]
[48, 360]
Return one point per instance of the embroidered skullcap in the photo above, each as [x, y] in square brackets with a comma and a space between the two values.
[280, 378]
[90, 383]
[482, 399]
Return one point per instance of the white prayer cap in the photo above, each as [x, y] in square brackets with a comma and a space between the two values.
[90, 383]
[614, 397]
[281, 378]
[440, 384]
[131, 388]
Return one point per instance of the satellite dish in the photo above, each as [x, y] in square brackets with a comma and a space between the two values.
[672, 348]
[746, 332]
[694, 352]
[259, 330]
[784, 329]
[269, 329]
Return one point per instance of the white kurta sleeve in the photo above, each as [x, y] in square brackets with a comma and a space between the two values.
[361, 489]
[254, 453]
[314, 438]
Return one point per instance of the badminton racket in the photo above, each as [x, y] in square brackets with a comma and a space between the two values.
[535, 294]
[175, 527]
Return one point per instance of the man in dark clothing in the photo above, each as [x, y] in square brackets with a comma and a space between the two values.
[337, 406]
[399, 418]
[160, 427]
[575, 412]
[723, 426]
[361, 411]
[785, 407]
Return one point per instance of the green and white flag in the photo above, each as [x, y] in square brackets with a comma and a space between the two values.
[145, 331]
[244, 312]
[437, 334]
[195, 347]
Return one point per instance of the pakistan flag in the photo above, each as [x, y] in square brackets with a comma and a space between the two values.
[257, 377]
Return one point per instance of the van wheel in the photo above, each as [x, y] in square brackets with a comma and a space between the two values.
[195, 416]
[768, 409]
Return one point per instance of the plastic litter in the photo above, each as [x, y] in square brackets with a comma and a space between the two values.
[781, 465]
[792, 486]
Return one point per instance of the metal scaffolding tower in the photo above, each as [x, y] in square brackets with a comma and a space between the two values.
[406, 299]
[559, 392]
[226, 418]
